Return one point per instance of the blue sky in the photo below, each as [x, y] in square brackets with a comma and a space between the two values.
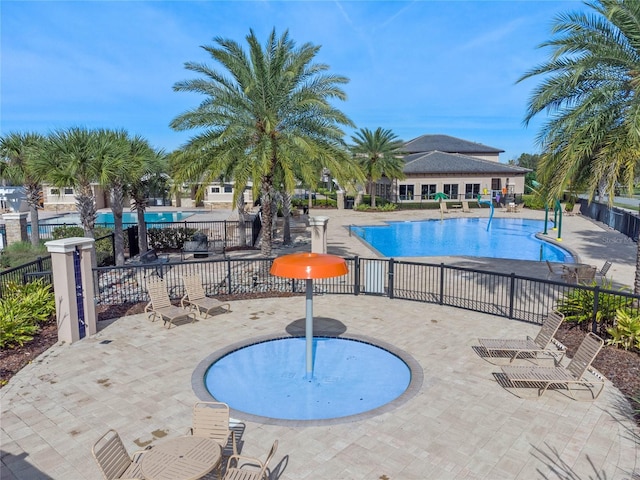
[418, 67]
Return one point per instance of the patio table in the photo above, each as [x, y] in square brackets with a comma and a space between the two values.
[181, 458]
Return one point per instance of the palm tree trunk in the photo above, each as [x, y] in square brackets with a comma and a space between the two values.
[242, 231]
[286, 213]
[87, 209]
[117, 206]
[267, 217]
[32, 192]
[372, 192]
[143, 245]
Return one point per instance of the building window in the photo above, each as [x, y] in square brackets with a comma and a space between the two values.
[55, 191]
[496, 184]
[68, 191]
[451, 190]
[215, 189]
[471, 190]
[406, 192]
[228, 189]
[428, 192]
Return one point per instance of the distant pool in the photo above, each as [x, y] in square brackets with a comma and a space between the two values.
[127, 218]
[512, 238]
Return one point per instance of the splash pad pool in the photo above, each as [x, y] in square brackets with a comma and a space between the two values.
[266, 380]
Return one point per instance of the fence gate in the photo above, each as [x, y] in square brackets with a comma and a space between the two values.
[79, 292]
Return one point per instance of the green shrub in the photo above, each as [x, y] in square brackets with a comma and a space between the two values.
[626, 331]
[23, 308]
[169, 238]
[577, 305]
[534, 202]
[67, 231]
[104, 248]
[20, 253]
[388, 207]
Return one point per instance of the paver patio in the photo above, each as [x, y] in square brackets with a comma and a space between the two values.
[135, 376]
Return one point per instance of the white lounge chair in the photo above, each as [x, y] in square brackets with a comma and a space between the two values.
[571, 375]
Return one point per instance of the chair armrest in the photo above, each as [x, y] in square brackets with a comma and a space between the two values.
[148, 308]
[243, 460]
[182, 300]
[135, 456]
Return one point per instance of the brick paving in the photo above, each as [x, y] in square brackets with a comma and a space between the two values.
[136, 376]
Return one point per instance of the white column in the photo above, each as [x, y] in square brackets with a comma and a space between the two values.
[64, 286]
[318, 234]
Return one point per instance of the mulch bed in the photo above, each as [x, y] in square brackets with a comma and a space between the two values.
[621, 367]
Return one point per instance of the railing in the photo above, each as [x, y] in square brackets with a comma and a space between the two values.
[507, 295]
[221, 229]
[621, 220]
[39, 268]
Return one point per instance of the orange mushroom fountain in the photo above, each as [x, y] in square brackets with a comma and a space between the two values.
[309, 266]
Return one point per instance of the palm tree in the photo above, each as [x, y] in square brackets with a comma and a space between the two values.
[265, 111]
[18, 152]
[590, 93]
[154, 164]
[378, 153]
[79, 158]
[128, 157]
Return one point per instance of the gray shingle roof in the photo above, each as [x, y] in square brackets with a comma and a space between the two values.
[445, 143]
[453, 163]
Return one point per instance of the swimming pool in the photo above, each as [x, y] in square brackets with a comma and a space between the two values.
[512, 238]
[127, 218]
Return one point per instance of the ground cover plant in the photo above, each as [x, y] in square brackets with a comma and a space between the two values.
[23, 311]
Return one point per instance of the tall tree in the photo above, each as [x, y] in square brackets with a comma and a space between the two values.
[378, 153]
[266, 110]
[589, 90]
[78, 157]
[154, 164]
[128, 158]
[19, 152]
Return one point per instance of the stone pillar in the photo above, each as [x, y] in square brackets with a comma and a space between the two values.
[340, 199]
[64, 286]
[318, 234]
[16, 227]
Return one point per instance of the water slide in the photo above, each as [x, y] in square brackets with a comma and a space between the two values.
[487, 202]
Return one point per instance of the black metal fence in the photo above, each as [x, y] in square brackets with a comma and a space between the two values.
[507, 295]
[39, 268]
[226, 230]
[621, 220]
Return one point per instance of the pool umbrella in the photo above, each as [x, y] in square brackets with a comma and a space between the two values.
[308, 266]
[440, 196]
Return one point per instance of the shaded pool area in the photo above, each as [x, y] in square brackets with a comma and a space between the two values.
[513, 238]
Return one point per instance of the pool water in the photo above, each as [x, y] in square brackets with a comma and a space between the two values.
[512, 238]
[127, 218]
[269, 378]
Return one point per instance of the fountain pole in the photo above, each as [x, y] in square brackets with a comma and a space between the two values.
[309, 330]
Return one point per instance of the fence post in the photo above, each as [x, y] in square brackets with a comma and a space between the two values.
[391, 268]
[229, 276]
[441, 284]
[356, 280]
[40, 267]
[512, 293]
[594, 314]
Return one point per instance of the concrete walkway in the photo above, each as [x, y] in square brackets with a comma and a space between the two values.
[136, 376]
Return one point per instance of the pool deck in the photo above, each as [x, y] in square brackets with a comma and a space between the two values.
[136, 376]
